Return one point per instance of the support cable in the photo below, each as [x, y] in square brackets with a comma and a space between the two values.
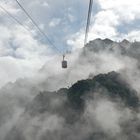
[34, 22]
[88, 21]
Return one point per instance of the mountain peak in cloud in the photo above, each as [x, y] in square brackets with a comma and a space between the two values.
[125, 41]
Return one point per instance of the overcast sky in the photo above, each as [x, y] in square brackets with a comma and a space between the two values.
[23, 53]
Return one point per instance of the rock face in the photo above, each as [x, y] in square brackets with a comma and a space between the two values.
[63, 114]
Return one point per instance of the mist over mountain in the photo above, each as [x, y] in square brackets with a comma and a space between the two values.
[81, 112]
[97, 97]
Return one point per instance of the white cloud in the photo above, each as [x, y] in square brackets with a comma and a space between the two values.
[106, 115]
[106, 21]
[127, 10]
[54, 22]
[21, 54]
[10, 6]
[45, 4]
[133, 35]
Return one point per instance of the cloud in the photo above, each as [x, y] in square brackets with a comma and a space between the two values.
[21, 54]
[55, 22]
[102, 116]
[10, 6]
[106, 22]
[27, 60]
[107, 115]
[133, 35]
[31, 46]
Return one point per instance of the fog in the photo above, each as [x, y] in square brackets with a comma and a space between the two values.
[101, 116]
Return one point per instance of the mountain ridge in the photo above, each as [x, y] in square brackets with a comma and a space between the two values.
[69, 103]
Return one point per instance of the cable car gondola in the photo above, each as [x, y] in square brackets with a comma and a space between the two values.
[64, 63]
